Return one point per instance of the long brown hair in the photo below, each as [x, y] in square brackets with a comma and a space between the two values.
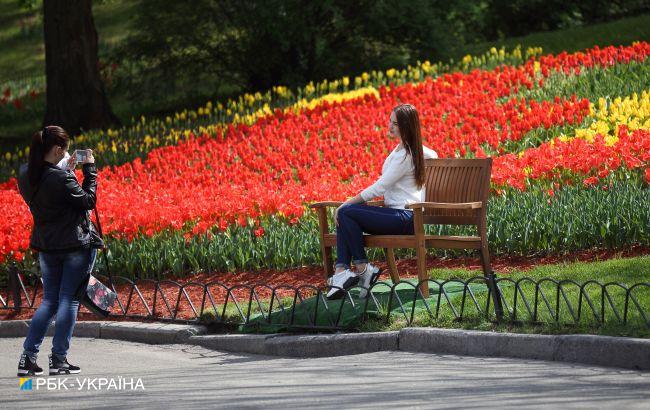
[42, 143]
[408, 122]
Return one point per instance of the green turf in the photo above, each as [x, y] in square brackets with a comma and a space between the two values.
[619, 32]
[626, 271]
[23, 56]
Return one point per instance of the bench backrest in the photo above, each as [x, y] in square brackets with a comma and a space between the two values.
[456, 180]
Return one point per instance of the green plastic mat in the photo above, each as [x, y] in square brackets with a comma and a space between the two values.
[316, 313]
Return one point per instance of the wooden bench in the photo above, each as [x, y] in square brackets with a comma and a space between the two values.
[456, 193]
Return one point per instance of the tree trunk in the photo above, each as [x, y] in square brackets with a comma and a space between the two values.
[76, 99]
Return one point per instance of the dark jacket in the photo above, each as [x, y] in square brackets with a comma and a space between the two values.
[60, 208]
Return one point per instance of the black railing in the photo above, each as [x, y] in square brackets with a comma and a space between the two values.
[524, 300]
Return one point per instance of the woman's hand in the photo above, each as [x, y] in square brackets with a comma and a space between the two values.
[90, 159]
[336, 214]
[72, 163]
[356, 200]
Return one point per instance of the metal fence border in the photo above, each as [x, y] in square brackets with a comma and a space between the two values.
[549, 301]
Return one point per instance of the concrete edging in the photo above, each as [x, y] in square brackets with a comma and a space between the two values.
[152, 333]
[629, 353]
[339, 344]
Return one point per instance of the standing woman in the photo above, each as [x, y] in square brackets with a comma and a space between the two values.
[401, 181]
[62, 237]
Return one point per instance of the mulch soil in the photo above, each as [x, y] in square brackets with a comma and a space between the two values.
[306, 278]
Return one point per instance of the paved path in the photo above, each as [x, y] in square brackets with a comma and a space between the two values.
[183, 376]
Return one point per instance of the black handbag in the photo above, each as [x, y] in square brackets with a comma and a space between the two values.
[93, 294]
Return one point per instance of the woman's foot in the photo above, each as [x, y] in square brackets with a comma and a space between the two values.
[341, 282]
[28, 367]
[336, 272]
[58, 366]
[367, 278]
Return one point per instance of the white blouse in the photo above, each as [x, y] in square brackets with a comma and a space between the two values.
[397, 181]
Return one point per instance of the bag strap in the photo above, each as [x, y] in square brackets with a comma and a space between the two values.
[99, 224]
[104, 253]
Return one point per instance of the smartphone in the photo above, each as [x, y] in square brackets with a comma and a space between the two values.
[81, 155]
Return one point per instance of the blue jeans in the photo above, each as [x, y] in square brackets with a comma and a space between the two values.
[62, 275]
[356, 219]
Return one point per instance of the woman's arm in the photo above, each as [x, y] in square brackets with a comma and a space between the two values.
[393, 173]
[82, 196]
[396, 170]
[357, 199]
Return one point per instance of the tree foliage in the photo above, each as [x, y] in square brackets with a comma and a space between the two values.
[257, 45]
[254, 45]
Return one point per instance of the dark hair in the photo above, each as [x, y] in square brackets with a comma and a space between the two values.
[42, 143]
[408, 123]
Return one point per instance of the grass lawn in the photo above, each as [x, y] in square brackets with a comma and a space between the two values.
[619, 32]
[23, 54]
[22, 60]
[626, 271]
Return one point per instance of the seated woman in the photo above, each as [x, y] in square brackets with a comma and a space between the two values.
[401, 184]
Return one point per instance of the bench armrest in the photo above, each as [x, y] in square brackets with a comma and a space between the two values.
[325, 204]
[446, 205]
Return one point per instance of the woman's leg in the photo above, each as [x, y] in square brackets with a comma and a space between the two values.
[350, 236]
[51, 272]
[343, 255]
[75, 267]
[373, 220]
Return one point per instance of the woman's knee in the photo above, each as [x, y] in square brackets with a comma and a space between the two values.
[48, 308]
[348, 210]
[50, 296]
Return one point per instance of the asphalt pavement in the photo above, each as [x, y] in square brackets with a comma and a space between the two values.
[118, 373]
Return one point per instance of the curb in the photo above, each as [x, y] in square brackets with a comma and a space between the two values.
[628, 353]
[151, 333]
[301, 346]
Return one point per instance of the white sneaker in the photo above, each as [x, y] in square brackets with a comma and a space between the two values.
[367, 278]
[341, 282]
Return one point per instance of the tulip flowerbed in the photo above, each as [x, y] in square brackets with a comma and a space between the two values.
[571, 172]
[136, 140]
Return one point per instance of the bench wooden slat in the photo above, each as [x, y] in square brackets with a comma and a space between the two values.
[407, 241]
[445, 205]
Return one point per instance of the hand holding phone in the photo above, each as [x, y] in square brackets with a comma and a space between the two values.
[84, 156]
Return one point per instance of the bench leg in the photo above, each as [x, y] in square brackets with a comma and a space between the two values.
[421, 251]
[327, 261]
[421, 254]
[491, 281]
[392, 267]
[326, 251]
